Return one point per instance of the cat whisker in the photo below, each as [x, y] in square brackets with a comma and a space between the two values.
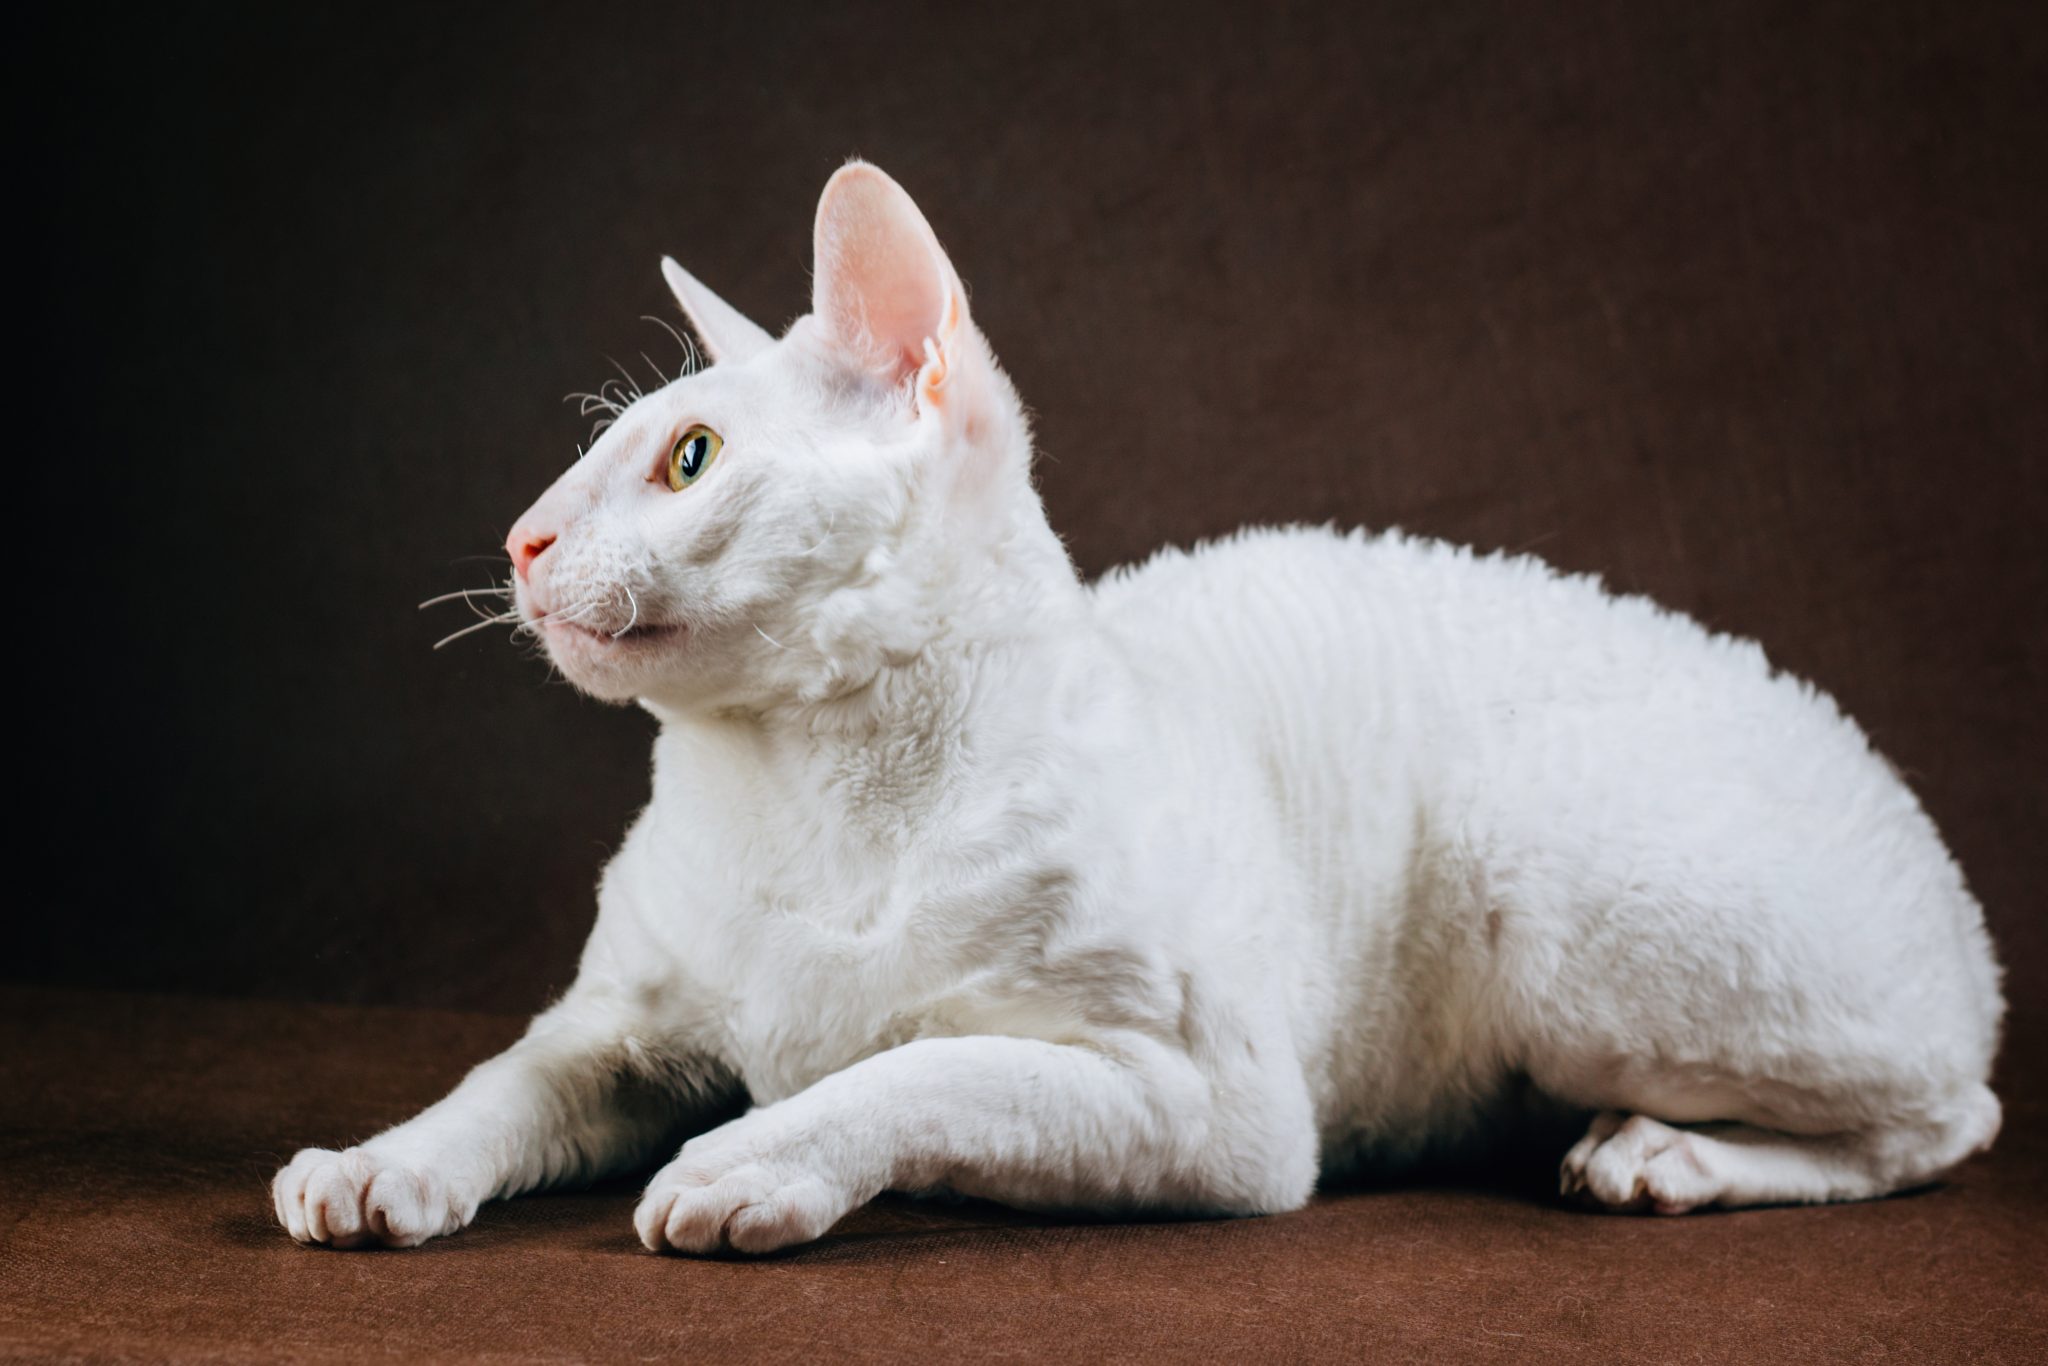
[496, 591]
[632, 385]
[484, 611]
[634, 619]
[589, 403]
[692, 360]
[770, 639]
[511, 616]
[560, 614]
[659, 378]
[500, 620]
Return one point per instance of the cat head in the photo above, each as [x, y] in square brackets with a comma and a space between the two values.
[805, 511]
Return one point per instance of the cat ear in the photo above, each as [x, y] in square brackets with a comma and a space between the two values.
[727, 333]
[885, 292]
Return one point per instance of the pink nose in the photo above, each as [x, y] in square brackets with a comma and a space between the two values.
[525, 547]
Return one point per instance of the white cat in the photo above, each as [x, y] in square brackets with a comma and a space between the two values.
[1170, 892]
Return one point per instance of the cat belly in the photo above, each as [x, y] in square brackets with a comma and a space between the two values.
[1547, 831]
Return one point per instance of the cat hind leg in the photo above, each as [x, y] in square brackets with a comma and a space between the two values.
[1637, 1163]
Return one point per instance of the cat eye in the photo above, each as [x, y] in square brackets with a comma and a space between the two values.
[692, 454]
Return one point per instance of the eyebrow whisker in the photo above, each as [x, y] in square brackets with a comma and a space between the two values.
[587, 404]
[632, 385]
[692, 358]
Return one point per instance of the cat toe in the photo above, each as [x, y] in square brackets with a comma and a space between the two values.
[1634, 1164]
[751, 1208]
[356, 1199]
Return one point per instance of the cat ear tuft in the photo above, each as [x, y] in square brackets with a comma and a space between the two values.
[727, 333]
[883, 288]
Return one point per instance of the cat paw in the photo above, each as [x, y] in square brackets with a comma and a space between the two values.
[725, 1194]
[1633, 1163]
[356, 1199]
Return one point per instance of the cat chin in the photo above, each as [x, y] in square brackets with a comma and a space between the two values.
[609, 666]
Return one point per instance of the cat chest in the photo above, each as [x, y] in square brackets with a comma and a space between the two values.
[821, 956]
[796, 1018]
[803, 995]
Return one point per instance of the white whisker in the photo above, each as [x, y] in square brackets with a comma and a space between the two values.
[692, 360]
[562, 614]
[632, 385]
[484, 611]
[500, 591]
[770, 639]
[504, 619]
[586, 404]
[635, 617]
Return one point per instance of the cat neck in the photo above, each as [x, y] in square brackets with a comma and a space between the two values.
[876, 768]
[983, 661]
[973, 656]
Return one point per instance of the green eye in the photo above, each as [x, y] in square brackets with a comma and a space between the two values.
[692, 454]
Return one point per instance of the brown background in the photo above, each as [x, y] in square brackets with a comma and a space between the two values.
[1743, 309]
[1746, 309]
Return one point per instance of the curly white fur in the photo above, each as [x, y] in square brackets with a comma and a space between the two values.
[1298, 850]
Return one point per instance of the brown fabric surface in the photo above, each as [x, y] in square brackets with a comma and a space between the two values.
[139, 1134]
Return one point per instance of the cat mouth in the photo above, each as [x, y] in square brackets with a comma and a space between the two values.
[645, 633]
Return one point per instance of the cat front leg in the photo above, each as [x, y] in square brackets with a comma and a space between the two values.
[1130, 1124]
[577, 1097]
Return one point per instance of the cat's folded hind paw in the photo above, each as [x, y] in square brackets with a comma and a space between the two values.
[1635, 1164]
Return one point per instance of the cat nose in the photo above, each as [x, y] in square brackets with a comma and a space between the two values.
[525, 547]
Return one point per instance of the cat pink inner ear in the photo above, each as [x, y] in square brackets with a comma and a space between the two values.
[727, 333]
[883, 286]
